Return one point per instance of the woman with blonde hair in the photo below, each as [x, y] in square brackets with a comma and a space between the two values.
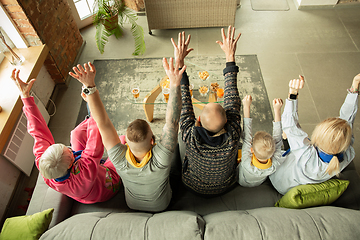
[327, 153]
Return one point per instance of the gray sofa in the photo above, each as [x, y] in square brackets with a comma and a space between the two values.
[242, 213]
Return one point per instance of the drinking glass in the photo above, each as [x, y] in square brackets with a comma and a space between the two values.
[191, 88]
[135, 92]
[220, 94]
[166, 92]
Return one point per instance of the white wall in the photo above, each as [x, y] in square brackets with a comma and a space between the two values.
[43, 86]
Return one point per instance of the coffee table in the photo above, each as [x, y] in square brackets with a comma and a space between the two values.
[149, 98]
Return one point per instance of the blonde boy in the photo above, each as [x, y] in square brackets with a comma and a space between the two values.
[260, 154]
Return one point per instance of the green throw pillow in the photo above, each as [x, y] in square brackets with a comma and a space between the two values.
[27, 227]
[310, 195]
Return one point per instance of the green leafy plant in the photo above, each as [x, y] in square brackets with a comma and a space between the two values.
[109, 18]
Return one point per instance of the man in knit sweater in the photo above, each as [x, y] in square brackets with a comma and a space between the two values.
[212, 140]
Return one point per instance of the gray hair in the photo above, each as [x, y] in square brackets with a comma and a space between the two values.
[54, 162]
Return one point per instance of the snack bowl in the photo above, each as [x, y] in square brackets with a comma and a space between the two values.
[203, 90]
[204, 75]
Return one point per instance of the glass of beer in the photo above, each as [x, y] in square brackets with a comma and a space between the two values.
[166, 92]
[135, 92]
[191, 88]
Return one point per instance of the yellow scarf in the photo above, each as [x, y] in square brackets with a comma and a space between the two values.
[239, 156]
[131, 159]
[260, 165]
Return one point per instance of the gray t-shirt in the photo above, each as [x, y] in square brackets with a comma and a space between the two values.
[146, 188]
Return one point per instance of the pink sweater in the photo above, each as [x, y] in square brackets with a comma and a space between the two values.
[89, 181]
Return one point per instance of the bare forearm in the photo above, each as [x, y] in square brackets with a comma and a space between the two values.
[230, 57]
[107, 130]
[277, 115]
[246, 111]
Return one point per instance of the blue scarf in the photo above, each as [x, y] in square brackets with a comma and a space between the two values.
[77, 156]
[327, 157]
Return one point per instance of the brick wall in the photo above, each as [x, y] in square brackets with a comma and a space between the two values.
[48, 22]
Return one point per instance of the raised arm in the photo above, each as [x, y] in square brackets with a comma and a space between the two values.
[187, 117]
[86, 75]
[277, 129]
[36, 124]
[247, 134]
[277, 104]
[349, 108]
[170, 130]
[232, 102]
[246, 105]
[290, 118]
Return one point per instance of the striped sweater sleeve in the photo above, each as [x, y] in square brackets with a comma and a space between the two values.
[232, 102]
[187, 117]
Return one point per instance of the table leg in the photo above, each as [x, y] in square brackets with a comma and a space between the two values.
[198, 104]
[149, 103]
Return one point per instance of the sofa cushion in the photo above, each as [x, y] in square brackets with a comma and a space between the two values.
[137, 225]
[27, 227]
[45, 197]
[310, 195]
[324, 222]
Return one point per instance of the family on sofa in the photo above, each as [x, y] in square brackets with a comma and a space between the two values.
[227, 188]
[208, 145]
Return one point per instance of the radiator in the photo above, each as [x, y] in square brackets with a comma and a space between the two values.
[19, 149]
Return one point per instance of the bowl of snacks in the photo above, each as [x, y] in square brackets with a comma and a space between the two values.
[214, 87]
[203, 90]
[203, 75]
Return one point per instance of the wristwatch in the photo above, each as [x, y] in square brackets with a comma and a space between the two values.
[88, 90]
[293, 96]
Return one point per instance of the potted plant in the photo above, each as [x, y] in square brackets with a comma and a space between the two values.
[109, 18]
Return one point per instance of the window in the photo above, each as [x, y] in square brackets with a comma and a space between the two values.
[84, 8]
[10, 31]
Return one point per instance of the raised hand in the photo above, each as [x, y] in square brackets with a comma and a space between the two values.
[296, 84]
[181, 50]
[246, 105]
[85, 75]
[277, 104]
[23, 86]
[228, 44]
[355, 84]
[172, 72]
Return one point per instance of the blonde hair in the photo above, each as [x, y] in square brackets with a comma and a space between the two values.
[333, 135]
[263, 145]
[55, 161]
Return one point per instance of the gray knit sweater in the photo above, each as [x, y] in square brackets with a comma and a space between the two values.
[210, 162]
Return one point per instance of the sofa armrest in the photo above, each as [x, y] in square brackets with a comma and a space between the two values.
[45, 197]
